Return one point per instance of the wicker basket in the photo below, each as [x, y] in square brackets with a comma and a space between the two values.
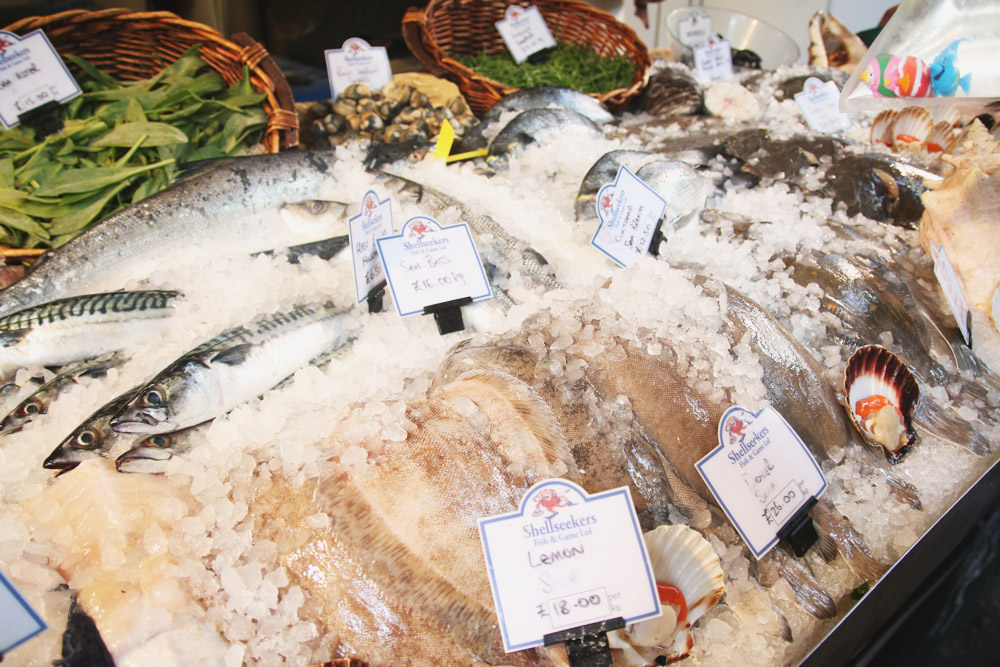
[136, 45]
[448, 28]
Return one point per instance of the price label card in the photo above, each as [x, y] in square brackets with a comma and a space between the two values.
[761, 473]
[694, 29]
[629, 210]
[357, 62]
[952, 286]
[566, 559]
[20, 621]
[820, 104]
[31, 74]
[524, 32]
[375, 220]
[427, 264]
[713, 60]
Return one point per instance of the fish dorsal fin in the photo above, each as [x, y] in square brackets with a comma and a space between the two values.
[232, 356]
[519, 415]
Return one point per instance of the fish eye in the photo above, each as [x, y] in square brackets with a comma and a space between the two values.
[316, 206]
[31, 408]
[159, 441]
[153, 397]
[87, 439]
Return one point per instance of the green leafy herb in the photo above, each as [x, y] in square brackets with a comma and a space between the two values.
[119, 144]
[567, 65]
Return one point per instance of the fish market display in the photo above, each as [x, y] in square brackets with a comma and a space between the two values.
[256, 500]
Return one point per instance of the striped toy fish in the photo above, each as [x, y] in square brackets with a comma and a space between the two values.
[897, 76]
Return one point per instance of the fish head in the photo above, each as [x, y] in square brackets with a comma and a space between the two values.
[175, 399]
[90, 440]
[27, 410]
[315, 218]
[150, 454]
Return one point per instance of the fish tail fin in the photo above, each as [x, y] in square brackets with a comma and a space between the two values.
[836, 528]
[963, 82]
[934, 419]
[901, 491]
[784, 628]
[827, 547]
[808, 591]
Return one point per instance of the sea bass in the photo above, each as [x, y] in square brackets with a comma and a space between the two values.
[82, 327]
[215, 377]
[538, 126]
[233, 207]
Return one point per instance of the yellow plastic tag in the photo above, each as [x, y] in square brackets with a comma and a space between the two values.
[467, 156]
[445, 139]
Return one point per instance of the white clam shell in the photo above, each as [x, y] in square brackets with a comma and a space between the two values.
[947, 113]
[942, 138]
[881, 132]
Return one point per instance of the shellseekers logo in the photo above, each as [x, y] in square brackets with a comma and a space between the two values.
[369, 204]
[607, 197]
[4, 44]
[418, 229]
[735, 427]
[548, 501]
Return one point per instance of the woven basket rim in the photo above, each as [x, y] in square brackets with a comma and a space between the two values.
[282, 127]
[417, 33]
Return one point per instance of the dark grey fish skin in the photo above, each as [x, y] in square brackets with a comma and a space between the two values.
[879, 187]
[538, 126]
[81, 327]
[91, 439]
[233, 207]
[38, 402]
[672, 91]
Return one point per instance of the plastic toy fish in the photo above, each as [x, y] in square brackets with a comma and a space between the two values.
[897, 76]
[945, 78]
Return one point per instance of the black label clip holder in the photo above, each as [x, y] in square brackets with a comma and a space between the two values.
[43, 118]
[587, 645]
[448, 314]
[375, 295]
[799, 531]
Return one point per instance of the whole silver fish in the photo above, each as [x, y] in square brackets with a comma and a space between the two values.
[38, 402]
[603, 172]
[80, 327]
[233, 207]
[235, 367]
[91, 439]
[150, 455]
[536, 97]
[538, 126]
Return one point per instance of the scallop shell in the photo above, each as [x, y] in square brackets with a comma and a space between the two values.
[682, 557]
[873, 371]
[882, 127]
[942, 138]
[947, 112]
[912, 127]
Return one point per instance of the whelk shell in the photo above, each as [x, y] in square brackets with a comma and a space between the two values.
[681, 557]
[881, 395]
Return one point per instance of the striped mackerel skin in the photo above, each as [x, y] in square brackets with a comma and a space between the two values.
[90, 306]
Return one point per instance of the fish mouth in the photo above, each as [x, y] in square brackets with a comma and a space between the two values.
[57, 461]
[141, 462]
[138, 421]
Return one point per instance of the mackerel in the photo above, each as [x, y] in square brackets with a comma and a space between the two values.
[80, 327]
[150, 455]
[233, 208]
[234, 368]
[91, 439]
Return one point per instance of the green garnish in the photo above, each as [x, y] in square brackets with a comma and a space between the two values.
[568, 66]
[120, 142]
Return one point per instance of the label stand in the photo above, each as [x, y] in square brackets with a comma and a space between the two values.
[375, 298]
[799, 531]
[42, 118]
[587, 645]
[448, 314]
[654, 241]
[539, 57]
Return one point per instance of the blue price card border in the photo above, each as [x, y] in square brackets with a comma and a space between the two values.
[20, 38]
[614, 186]
[42, 626]
[402, 231]
[361, 298]
[577, 490]
[720, 448]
